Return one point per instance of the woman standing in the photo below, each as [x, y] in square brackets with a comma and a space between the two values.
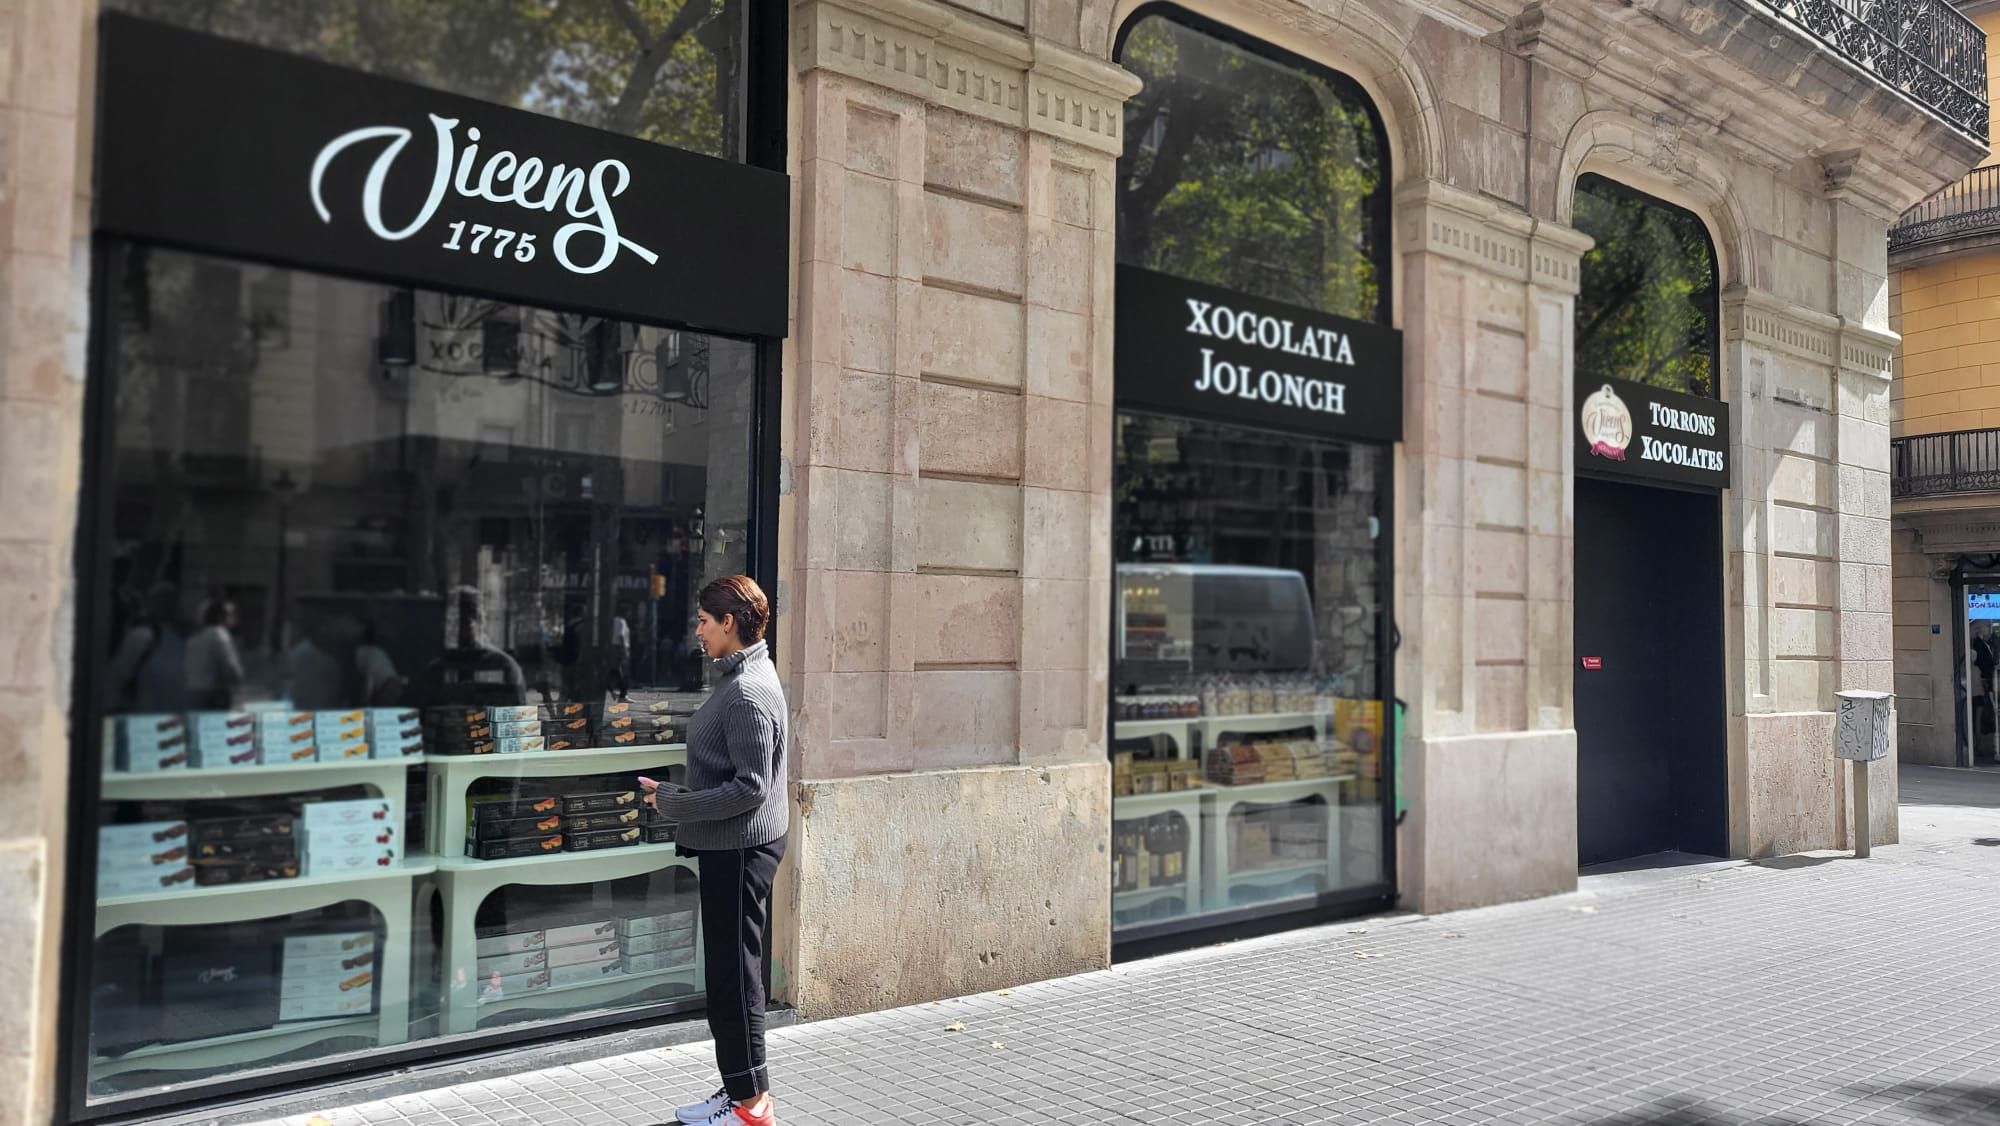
[733, 817]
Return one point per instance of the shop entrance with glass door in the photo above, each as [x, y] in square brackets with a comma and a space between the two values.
[1979, 672]
[1652, 451]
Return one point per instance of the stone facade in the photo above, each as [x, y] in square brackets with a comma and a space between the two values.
[947, 397]
[1944, 305]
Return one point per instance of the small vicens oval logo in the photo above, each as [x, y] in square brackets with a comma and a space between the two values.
[1607, 424]
[503, 177]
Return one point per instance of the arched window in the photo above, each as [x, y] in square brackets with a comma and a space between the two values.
[1647, 309]
[1251, 170]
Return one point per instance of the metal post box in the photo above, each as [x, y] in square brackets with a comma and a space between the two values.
[1861, 732]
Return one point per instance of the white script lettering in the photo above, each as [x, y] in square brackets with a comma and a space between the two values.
[584, 196]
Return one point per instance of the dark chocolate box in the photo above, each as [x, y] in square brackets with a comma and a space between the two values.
[608, 801]
[500, 828]
[510, 847]
[604, 838]
[502, 809]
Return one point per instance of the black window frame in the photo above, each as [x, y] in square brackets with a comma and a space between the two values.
[765, 145]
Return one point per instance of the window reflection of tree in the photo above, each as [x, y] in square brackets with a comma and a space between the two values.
[1250, 175]
[663, 70]
[1646, 310]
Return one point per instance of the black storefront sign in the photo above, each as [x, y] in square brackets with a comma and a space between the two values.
[216, 146]
[1630, 431]
[1204, 352]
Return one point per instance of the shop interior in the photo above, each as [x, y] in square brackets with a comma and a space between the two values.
[399, 593]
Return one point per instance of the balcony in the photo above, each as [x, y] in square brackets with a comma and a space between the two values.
[1953, 213]
[1963, 461]
[1924, 48]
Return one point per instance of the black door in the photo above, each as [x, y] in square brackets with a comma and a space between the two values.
[1651, 765]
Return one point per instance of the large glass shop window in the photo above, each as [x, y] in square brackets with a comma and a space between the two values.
[1646, 309]
[1248, 727]
[663, 70]
[1248, 716]
[401, 590]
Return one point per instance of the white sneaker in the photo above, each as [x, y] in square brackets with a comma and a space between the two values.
[706, 1109]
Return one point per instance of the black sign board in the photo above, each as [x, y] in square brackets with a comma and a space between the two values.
[217, 146]
[1197, 350]
[1630, 431]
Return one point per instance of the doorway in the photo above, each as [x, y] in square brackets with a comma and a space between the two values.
[1652, 760]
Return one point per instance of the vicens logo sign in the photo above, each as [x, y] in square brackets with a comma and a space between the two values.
[529, 184]
[1607, 424]
[1275, 334]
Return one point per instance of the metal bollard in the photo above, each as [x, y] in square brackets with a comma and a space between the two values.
[1861, 736]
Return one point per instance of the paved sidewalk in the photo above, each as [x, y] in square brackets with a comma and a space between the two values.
[1803, 990]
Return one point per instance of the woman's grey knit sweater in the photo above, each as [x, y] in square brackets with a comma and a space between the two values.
[736, 759]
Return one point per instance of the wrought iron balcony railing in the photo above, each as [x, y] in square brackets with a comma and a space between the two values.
[1924, 48]
[1963, 461]
[1967, 207]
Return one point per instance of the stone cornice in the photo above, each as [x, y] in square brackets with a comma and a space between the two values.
[1768, 321]
[1723, 70]
[1492, 236]
[949, 58]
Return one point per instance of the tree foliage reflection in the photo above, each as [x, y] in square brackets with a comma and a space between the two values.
[1646, 311]
[1248, 174]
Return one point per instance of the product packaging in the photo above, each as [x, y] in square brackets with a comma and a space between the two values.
[228, 725]
[171, 754]
[659, 960]
[657, 941]
[218, 752]
[604, 838]
[602, 802]
[511, 847]
[521, 962]
[592, 822]
[349, 862]
[502, 808]
[265, 825]
[295, 985]
[142, 837]
[636, 925]
[497, 828]
[219, 873]
[361, 1002]
[585, 972]
[150, 730]
[343, 944]
[510, 943]
[343, 752]
[335, 814]
[247, 850]
[148, 882]
[581, 932]
[578, 953]
[496, 987]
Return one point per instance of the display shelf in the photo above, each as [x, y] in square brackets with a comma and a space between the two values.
[231, 1050]
[1131, 807]
[387, 891]
[255, 781]
[1217, 878]
[621, 857]
[1278, 871]
[1265, 721]
[465, 883]
[578, 995]
[1282, 790]
[261, 899]
[1140, 897]
[451, 776]
[1145, 728]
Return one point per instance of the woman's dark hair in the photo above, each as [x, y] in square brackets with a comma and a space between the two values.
[739, 595]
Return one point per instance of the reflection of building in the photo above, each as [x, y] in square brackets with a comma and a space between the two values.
[934, 453]
[1945, 464]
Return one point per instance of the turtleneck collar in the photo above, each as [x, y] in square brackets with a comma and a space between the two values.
[736, 660]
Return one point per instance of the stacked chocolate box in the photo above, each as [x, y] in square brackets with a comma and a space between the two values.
[502, 828]
[244, 849]
[501, 730]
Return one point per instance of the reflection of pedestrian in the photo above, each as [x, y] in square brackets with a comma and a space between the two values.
[474, 671]
[214, 668]
[380, 686]
[621, 655]
[149, 667]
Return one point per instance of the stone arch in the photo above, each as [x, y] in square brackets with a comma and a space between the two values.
[1650, 157]
[1360, 43]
